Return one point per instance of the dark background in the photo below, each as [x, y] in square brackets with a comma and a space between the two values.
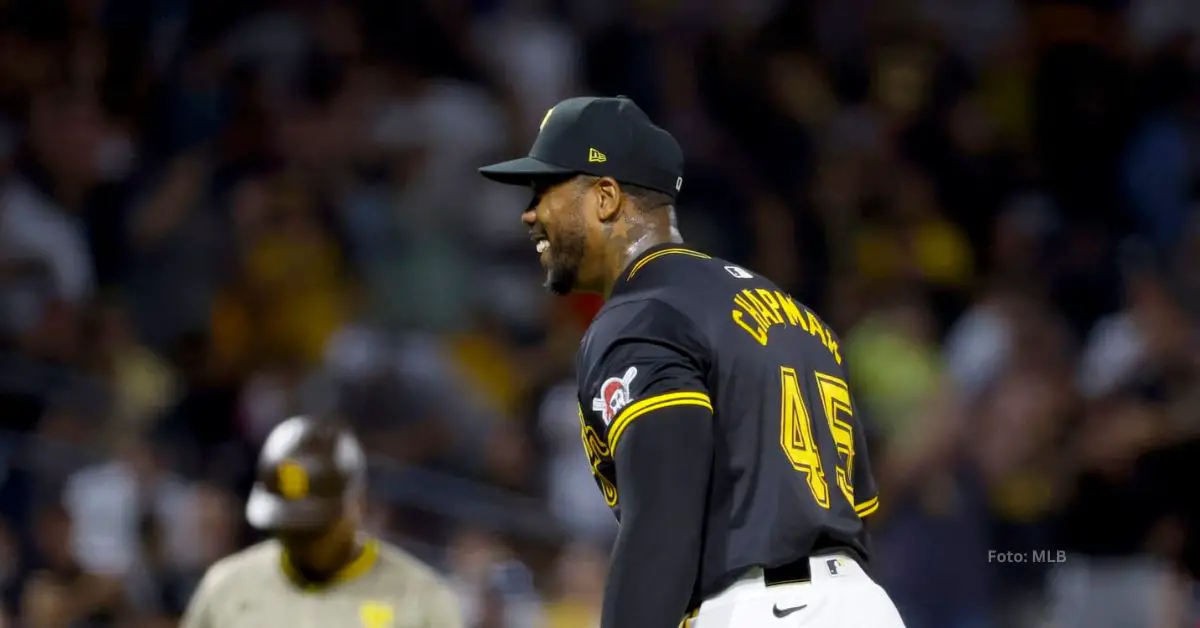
[215, 214]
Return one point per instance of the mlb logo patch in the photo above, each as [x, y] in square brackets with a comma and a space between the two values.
[834, 566]
[615, 394]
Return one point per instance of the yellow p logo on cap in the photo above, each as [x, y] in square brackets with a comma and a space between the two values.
[293, 480]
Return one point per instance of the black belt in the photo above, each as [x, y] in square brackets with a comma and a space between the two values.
[801, 570]
[797, 571]
[791, 573]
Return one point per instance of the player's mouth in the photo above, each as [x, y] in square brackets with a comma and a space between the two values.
[542, 244]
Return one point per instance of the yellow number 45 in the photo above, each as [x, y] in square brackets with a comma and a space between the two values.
[797, 436]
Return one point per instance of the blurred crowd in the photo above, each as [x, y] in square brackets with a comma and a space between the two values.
[216, 214]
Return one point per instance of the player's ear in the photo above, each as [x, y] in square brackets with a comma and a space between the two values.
[608, 198]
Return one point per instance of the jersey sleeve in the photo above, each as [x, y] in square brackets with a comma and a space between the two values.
[443, 610]
[643, 357]
[200, 612]
[197, 613]
[866, 493]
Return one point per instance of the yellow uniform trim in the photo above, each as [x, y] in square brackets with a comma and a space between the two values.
[657, 402]
[657, 254]
[356, 568]
[687, 619]
[867, 507]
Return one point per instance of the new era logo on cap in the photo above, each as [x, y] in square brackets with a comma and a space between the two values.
[603, 137]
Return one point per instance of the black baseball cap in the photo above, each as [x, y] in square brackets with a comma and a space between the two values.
[602, 137]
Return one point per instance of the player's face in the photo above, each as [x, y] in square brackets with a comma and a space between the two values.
[317, 550]
[299, 542]
[557, 221]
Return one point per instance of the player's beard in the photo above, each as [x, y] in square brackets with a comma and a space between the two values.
[566, 256]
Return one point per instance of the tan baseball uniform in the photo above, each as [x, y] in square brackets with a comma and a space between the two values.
[384, 588]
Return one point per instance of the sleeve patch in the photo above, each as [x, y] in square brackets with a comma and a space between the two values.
[615, 394]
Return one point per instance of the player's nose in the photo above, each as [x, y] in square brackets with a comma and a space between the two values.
[529, 217]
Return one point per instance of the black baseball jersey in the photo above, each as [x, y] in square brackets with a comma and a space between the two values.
[790, 475]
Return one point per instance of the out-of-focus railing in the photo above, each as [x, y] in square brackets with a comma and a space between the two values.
[22, 375]
[462, 500]
[458, 499]
[454, 498]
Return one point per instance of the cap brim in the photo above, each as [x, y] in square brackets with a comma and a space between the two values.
[523, 171]
[268, 511]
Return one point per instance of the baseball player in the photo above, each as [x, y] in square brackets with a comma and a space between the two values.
[714, 408]
[319, 570]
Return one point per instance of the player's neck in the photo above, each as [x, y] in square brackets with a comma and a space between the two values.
[638, 239]
[325, 563]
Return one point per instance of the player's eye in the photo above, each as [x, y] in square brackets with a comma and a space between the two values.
[543, 185]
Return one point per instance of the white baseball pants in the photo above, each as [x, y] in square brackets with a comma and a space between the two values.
[840, 595]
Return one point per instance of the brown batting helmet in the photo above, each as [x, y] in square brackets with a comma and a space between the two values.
[308, 471]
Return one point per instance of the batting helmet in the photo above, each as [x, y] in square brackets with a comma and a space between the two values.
[308, 471]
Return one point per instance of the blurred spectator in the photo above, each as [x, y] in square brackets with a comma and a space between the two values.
[177, 249]
[495, 588]
[42, 233]
[214, 215]
[157, 591]
[570, 476]
[1136, 366]
[107, 503]
[936, 496]
[579, 596]
[1161, 165]
[61, 592]
[162, 580]
[10, 572]
[290, 293]
[1022, 419]
[142, 383]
